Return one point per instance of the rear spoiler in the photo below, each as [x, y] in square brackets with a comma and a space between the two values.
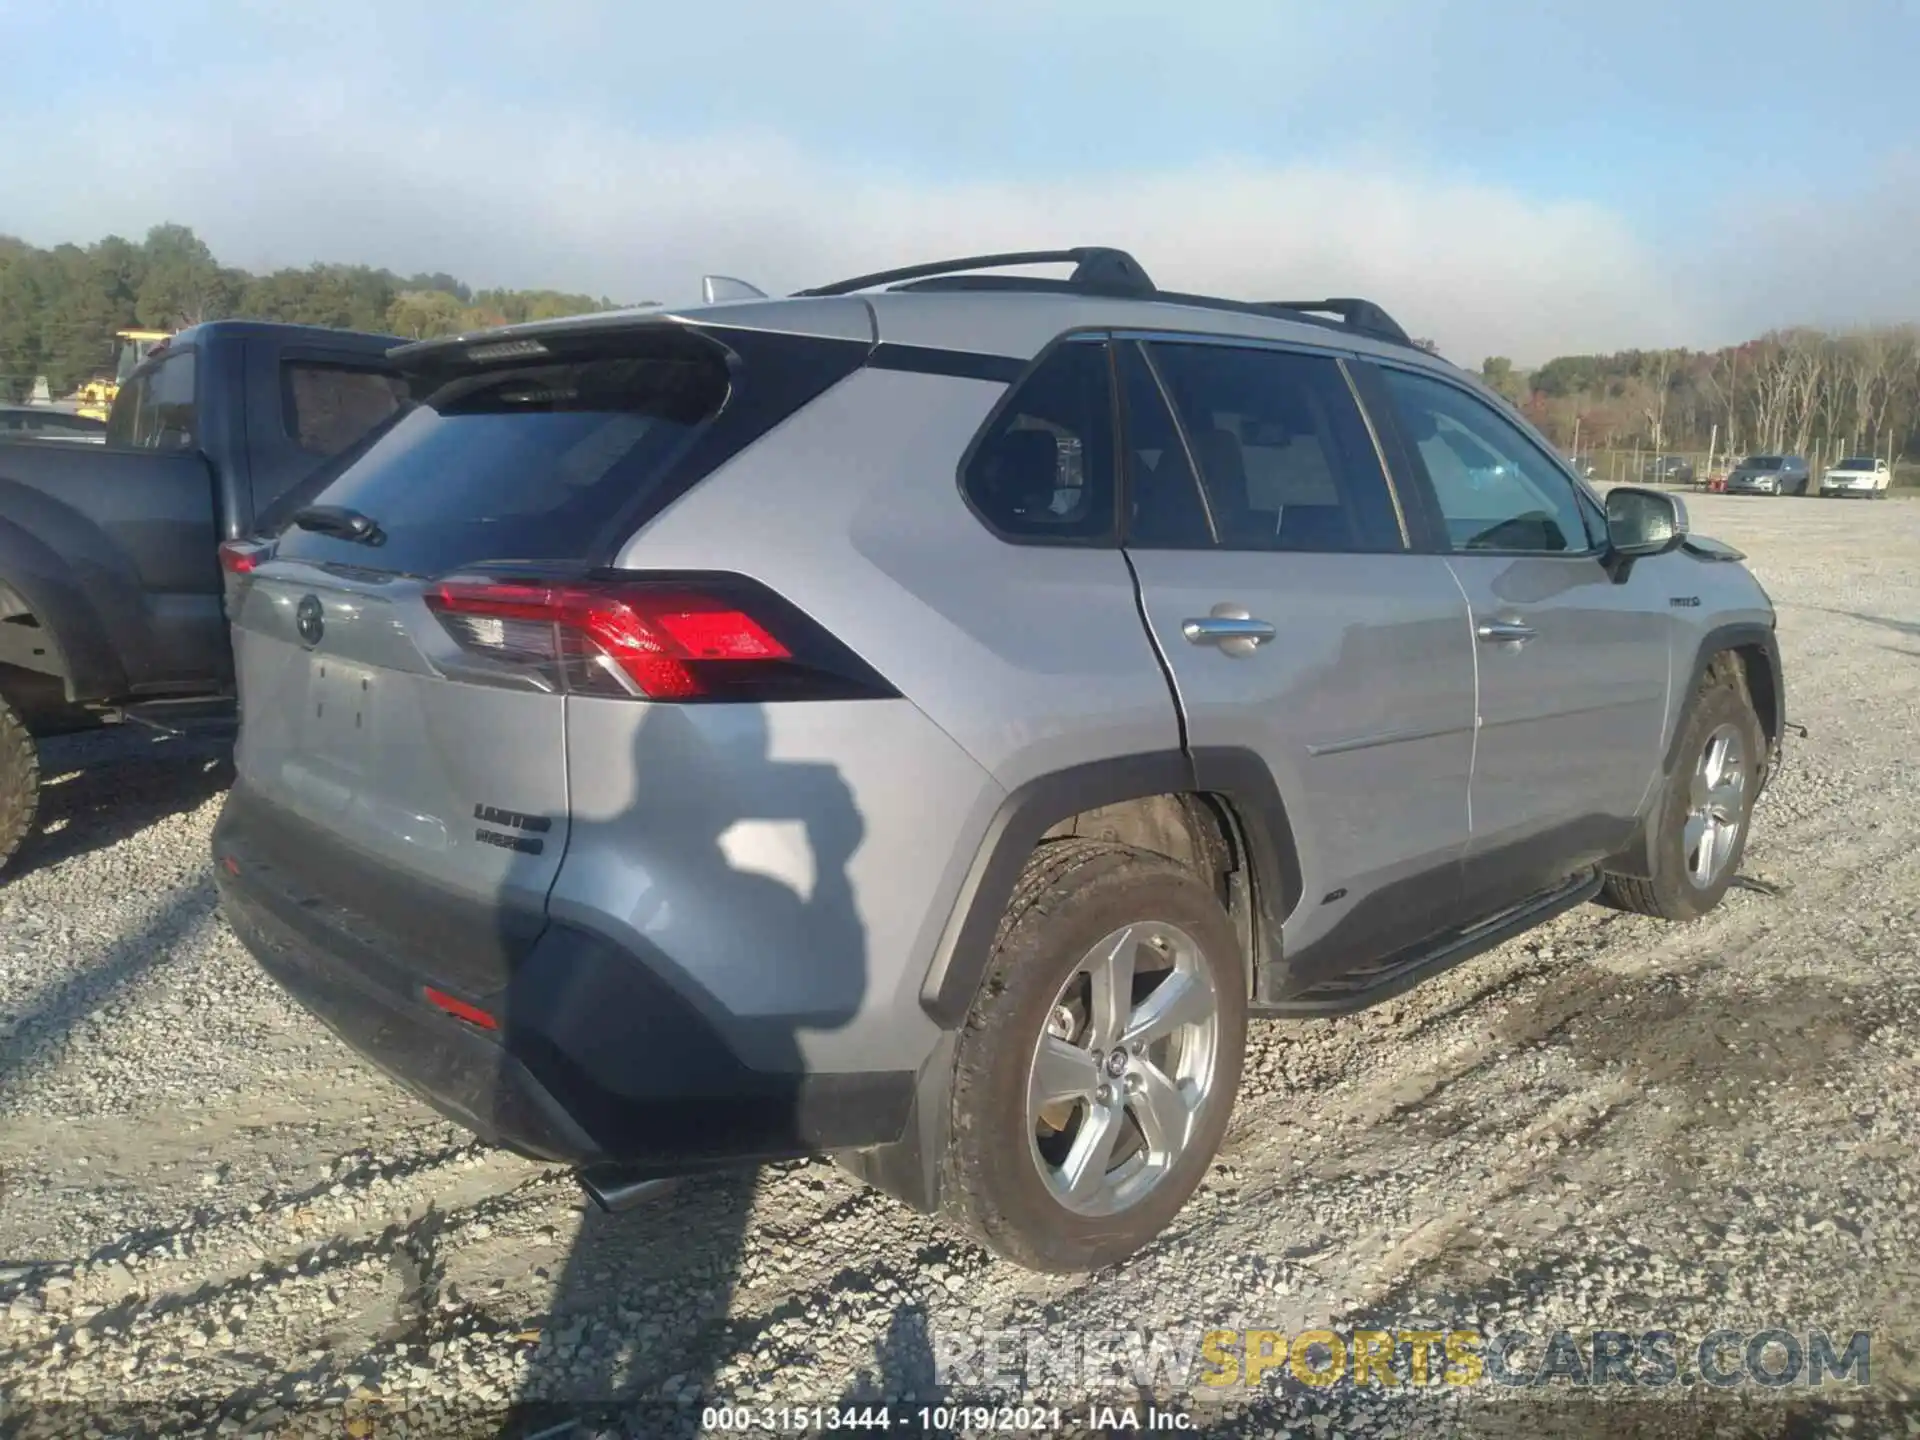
[530, 339]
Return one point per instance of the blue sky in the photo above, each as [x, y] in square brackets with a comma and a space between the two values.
[1526, 177]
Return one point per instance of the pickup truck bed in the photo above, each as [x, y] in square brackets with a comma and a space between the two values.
[111, 590]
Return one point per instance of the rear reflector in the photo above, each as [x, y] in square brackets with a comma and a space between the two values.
[708, 637]
[242, 557]
[460, 1009]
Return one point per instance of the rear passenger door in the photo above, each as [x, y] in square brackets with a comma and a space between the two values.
[1573, 660]
[1299, 624]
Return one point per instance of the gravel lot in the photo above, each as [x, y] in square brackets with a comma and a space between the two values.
[209, 1203]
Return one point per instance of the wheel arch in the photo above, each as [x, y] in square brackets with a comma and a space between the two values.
[1753, 650]
[1216, 808]
[48, 625]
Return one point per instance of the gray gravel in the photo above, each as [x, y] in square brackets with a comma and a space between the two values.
[210, 1204]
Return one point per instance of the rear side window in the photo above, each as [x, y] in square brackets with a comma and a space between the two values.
[329, 407]
[1042, 473]
[154, 409]
[562, 460]
[1284, 456]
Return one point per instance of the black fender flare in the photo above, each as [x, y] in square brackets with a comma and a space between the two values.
[77, 644]
[1769, 694]
[1768, 691]
[1239, 777]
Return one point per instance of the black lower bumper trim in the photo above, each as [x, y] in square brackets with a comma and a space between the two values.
[595, 1060]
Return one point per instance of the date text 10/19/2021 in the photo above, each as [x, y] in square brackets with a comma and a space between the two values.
[940, 1419]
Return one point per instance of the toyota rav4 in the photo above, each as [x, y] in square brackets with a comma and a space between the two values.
[923, 720]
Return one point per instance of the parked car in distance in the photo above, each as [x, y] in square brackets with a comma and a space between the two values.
[42, 422]
[1858, 475]
[923, 720]
[1673, 469]
[1770, 475]
[111, 598]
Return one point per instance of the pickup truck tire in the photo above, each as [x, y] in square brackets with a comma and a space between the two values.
[19, 781]
[1705, 806]
[1008, 1155]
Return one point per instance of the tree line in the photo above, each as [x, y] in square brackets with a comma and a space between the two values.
[1790, 390]
[1794, 391]
[60, 307]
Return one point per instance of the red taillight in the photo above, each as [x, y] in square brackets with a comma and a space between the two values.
[241, 557]
[719, 637]
[460, 1009]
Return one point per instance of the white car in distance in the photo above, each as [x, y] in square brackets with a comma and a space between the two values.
[1857, 475]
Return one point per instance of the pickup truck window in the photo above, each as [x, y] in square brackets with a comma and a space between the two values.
[154, 409]
[329, 407]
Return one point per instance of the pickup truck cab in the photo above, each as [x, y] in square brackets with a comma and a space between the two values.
[111, 593]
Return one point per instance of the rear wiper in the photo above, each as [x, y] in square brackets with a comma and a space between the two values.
[344, 524]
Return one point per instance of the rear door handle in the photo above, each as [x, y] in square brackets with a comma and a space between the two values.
[1228, 629]
[1510, 632]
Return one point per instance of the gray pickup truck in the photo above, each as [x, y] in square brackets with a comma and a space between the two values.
[111, 588]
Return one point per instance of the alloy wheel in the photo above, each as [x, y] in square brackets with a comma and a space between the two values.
[1716, 806]
[1123, 1069]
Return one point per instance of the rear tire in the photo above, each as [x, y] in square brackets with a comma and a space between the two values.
[1705, 807]
[1076, 1183]
[19, 782]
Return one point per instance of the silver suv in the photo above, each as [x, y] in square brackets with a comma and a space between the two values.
[924, 719]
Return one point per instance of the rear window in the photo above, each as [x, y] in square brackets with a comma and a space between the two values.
[329, 407]
[1856, 462]
[1761, 462]
[561, 460]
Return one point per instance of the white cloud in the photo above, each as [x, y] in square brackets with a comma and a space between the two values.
[502, 196]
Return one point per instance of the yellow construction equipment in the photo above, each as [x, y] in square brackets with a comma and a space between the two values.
[96, 396]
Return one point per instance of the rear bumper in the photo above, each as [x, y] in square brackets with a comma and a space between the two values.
[594, 1059]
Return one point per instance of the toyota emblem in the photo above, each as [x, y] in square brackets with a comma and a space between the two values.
[309, 619]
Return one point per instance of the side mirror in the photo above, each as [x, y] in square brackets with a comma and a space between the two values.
[1644, 522]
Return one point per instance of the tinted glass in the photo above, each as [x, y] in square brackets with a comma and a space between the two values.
[328, 407]
[1043, 471]
[1166, 510]
[1495, 488]
[521, 465]
[1857, 462]
[1285, 459]
[1761, 462]
[154, 409]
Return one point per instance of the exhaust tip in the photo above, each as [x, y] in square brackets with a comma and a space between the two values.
[616, 1193]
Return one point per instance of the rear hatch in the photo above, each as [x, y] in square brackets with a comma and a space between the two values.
[406, 648]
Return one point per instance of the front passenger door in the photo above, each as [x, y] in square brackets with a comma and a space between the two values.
[1573, 668]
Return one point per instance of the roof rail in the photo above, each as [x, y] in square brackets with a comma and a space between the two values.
[1101, 270]
[1362, 315]
[1097, 270]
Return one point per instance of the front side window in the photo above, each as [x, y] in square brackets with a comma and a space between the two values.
[1284, 456]
[1495, 489]
[154, 409]
[1043, 471]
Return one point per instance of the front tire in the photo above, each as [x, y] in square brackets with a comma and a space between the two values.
[19, 782]
[1096, 1072]
[1705, 806]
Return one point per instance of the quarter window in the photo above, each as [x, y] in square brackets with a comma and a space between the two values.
[1284, 457]
[1495, 489]
[1043, 472]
